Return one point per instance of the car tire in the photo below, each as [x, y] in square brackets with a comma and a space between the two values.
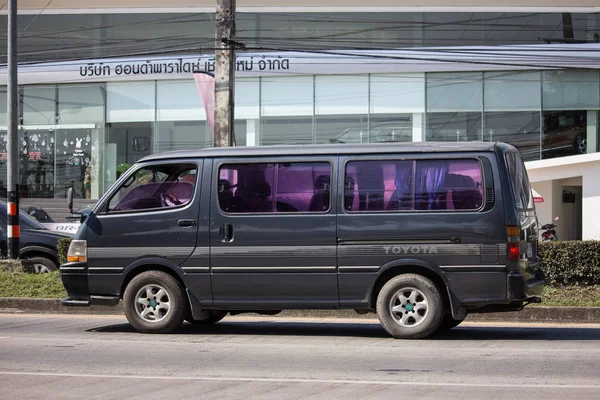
[209, 317]
[410, 306]
[449, 322]
[154, 302]
[40, 265]
[580, 144]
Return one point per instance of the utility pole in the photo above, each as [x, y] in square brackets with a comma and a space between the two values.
[224, 73]
[13, 232]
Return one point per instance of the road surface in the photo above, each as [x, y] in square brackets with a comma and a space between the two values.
[101, 357]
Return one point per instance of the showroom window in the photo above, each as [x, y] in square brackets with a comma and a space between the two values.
[396, 107]
[342, 108]
[454, 106]
[287, 110]
[80, 140]
[512, 106]
[570, 112]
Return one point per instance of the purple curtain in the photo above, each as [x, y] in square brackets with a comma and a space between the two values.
[403, 183]
[432, 176]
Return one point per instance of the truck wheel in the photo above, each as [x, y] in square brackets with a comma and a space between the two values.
[208, 317]
[154, 302]
[410, 307]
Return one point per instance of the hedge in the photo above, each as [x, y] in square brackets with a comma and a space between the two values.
[571, 263]
[19, 284]
[564, 263]
[63, 249]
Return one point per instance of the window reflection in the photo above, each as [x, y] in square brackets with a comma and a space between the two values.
[565, 133]
[454, 127]
[520, 129]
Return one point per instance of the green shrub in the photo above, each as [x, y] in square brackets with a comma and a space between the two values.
[571, 263]
[63, 249]
[18, 284]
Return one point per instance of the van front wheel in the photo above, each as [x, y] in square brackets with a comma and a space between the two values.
[154, 302]
[410, 307]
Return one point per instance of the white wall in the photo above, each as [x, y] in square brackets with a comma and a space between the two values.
[548, 177]
[591, 205]
[553, 206]
[544, 210]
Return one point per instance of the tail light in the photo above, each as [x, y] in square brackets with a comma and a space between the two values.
[513, 249]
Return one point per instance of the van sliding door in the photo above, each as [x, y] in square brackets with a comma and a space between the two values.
[273, 233]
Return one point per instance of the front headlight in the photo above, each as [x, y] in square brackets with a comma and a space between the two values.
[77, 251]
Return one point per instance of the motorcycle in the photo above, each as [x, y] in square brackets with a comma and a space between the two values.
[549, 233]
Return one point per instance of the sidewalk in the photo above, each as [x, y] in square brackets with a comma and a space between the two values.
[528, 314]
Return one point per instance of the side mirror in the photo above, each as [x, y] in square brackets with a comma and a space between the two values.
[79, 217]
[70, 199]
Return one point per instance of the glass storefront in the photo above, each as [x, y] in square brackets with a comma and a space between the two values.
[100, 35]
[84, 135]
[570, 111]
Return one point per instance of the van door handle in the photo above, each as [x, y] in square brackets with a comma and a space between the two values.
[226, 233]
[186, 223]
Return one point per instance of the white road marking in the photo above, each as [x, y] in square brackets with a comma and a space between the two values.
[322, 320]
[303, 380]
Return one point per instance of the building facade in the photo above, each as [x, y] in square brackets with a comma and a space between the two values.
[102, 87]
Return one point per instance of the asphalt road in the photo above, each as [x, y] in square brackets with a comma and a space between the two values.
[91, 357]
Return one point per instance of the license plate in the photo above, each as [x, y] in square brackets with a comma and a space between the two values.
[529, 250]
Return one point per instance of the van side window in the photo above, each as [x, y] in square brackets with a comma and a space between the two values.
[156, 187]
[409, 185]
[275, 187]
[519, 181]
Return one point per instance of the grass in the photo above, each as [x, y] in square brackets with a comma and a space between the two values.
[576, 296]
[16, 284]
[13, 284]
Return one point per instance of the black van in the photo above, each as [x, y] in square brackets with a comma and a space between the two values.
[420, 233]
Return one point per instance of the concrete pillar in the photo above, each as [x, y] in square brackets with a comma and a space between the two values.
[97, 162]
[592, 131]
[417, 128]
[544, 210]
[558, 209]
[591, 205]
[251, 132]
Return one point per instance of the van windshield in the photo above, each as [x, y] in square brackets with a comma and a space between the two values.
[519, 181]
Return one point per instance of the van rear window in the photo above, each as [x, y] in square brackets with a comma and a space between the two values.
[519, 181]
[413, 185]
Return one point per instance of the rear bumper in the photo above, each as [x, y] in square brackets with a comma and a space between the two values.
[519, 289]
[74, 277]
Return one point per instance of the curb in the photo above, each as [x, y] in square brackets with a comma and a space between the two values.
[11, 305]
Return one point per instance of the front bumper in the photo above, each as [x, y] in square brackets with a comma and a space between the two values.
[74, 277]
[75, 280]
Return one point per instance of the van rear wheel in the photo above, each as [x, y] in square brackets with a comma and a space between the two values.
[154, 302]
[410, 306]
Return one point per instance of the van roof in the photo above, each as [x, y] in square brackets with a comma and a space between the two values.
[331, 149]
